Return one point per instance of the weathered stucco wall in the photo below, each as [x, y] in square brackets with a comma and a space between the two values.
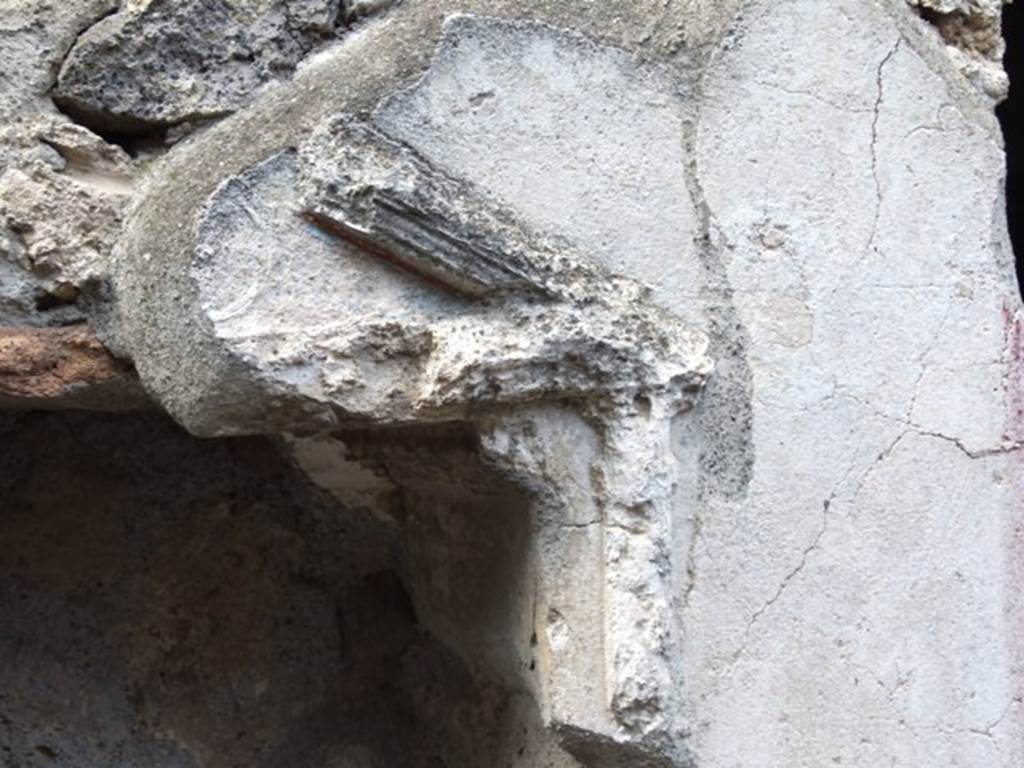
[623, 384]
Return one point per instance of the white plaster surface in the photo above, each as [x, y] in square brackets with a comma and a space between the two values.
[857, 607]
[852, 604]
[580, 140]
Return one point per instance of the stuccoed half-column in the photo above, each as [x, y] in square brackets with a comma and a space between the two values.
[536, 325]
[350, 284]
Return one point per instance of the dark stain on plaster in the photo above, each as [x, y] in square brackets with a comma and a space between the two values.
[725, 413]
[724, 416]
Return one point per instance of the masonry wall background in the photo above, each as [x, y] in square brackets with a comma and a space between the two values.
[815, 188]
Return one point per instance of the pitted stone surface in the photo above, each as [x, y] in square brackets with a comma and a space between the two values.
[62, 189]
[161, 62]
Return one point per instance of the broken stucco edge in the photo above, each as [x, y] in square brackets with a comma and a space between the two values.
[632, 417]
[926, 41]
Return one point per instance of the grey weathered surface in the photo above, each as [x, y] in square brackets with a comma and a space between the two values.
[61, 188]
[162, 62]
[61, 202]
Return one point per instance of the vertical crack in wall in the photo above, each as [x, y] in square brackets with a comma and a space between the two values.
[1012, 122]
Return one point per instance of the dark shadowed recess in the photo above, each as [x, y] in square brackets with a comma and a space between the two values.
[1011, 117]
[184, 603]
